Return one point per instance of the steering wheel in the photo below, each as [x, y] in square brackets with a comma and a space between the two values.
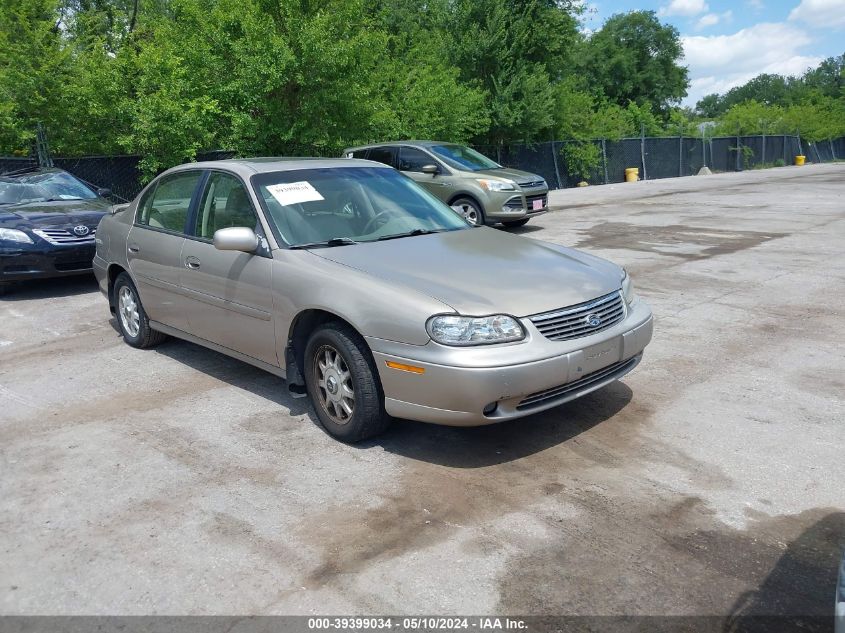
[371, 224]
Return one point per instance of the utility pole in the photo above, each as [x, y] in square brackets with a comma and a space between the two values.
[642, 150]
[42, 149]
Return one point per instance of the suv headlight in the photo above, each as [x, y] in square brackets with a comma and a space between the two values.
[453, 329]
[14, 235]
[628, 288]
[497, 185]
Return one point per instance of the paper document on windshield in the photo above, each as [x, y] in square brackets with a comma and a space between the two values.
[294, 192]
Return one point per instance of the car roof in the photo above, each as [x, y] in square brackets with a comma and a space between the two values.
[398, 143]
[262, 165]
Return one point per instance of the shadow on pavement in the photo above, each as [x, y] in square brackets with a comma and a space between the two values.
[458, 447]
[798, 592]
[49, 288]
[477, 447]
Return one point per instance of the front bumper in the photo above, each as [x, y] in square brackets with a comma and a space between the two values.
[475, 394]
[37, 262]
[506, 206]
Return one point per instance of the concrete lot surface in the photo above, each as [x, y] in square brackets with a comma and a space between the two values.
[711, 480]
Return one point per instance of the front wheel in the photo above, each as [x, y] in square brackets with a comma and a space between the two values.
[131, 317]
[512, 224]
[343, 384]
[470, 209]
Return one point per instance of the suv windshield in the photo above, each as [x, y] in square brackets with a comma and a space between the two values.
[43, 188]
[462, 157]
[345, 205]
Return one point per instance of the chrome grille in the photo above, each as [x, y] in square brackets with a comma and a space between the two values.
[606, 374]
[62, 236]
[569, 323]
[531, 184]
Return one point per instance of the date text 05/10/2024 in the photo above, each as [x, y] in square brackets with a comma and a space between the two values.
[416, 623]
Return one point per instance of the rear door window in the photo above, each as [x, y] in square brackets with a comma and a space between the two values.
[167, 208]
[382, 155]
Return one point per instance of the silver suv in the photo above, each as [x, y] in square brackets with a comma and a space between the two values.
[480, 189]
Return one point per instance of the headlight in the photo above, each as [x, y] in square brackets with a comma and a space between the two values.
[453, 329]
[497, 185]
[628, 288]
[14, 235]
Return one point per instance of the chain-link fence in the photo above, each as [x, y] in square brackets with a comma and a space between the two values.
[655, 157]
[661, 157]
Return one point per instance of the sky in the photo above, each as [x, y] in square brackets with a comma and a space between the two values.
[727, 43]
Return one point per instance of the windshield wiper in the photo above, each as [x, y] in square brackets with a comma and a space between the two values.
[335, 241]
[409, 234]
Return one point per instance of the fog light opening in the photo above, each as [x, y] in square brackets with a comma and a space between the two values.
[490, 409]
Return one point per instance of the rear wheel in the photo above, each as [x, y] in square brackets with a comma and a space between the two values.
[343, 384]
[131, 318]
[512, 224]
[470, 209]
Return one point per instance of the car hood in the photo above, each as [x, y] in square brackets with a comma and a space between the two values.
[484, 271]
[517, 175]
[59, 214]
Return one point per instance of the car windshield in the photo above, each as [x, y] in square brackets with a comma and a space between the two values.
[345, 205]
[462, 157]
[43, 188]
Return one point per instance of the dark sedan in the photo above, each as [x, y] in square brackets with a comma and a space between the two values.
[48, 221]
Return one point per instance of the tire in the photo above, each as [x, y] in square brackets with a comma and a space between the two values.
[471, 210]
[131, 317]
[516, 223]
[336, 360]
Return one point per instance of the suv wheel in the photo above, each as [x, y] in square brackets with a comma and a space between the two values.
[131, 317]
[470, 209]
[343, 384]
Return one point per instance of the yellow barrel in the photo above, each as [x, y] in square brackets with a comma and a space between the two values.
[799, 160]
[632, 174]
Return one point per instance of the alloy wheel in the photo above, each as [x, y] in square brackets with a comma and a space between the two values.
[127, 307]
[334, 385]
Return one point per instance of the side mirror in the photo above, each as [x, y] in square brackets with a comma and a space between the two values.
[236, 238]
[104, 193]
[430, 169]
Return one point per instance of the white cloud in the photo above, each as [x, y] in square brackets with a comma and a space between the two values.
[711, 19]
[706, 20]
[720, 62]
[820, 13]
[755, 4]
[687, 8]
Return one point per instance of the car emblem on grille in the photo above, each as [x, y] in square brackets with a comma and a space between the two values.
[593, 320]
[81, 230]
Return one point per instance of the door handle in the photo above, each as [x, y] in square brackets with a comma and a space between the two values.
[192, 262]
[134, 248]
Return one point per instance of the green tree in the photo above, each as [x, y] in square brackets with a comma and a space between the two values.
[513, 50]
[34, 69]
[635, 58]
[766, 89]
[709, 106]
[751, 117]
[818, 118]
